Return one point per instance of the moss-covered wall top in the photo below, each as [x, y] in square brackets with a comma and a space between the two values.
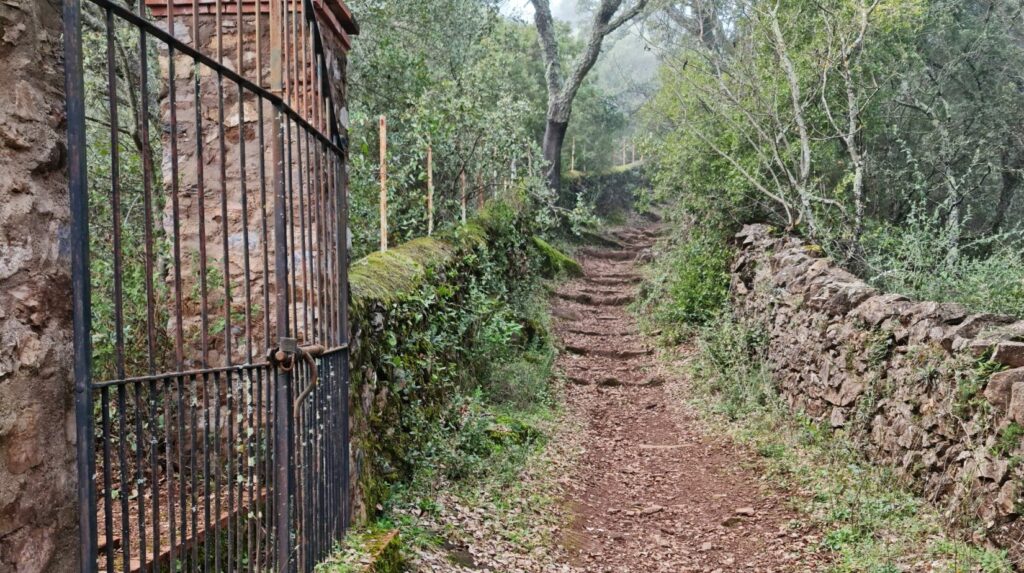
[416, 312]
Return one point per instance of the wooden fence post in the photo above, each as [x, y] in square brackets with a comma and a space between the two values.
[383, 184]
[462, 185]
[430, 190]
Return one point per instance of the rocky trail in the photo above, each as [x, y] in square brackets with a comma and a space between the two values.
[653, 490]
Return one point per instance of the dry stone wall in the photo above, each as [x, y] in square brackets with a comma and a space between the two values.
[236, 167]
[928, 388]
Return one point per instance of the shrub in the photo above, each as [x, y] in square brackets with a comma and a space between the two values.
[915, 259]
[731, 366]
[689, 284]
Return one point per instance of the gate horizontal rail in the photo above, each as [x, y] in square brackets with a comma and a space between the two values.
[209, 228]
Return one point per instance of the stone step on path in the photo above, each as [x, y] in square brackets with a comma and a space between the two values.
[596, 300]
[593, 332]
[613, 281]
[609, 352]
[608, 254]
[601, 290]
[652, 492]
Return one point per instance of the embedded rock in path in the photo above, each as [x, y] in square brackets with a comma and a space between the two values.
[610, 255]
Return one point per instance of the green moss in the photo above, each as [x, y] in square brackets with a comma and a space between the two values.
[419, 313]
[381, 276]
[372, 551]
[386, 552]
[554, 262]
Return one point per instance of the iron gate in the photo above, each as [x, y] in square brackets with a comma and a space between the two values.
[209, 248]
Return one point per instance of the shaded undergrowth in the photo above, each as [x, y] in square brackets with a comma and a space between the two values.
[484, 474]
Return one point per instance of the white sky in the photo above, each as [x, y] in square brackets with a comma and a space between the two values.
[625, 64]
[560, 9]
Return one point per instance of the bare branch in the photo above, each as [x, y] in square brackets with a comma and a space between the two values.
[561, 90]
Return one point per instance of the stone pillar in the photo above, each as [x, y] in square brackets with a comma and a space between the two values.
[38, 523]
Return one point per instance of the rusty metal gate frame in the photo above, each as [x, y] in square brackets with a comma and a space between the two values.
[307, 472]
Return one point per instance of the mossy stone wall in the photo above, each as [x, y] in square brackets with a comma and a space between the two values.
[412, 335]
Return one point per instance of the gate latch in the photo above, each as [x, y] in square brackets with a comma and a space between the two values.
[284, 355]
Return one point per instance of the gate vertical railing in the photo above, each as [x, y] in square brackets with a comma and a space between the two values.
[210, 316]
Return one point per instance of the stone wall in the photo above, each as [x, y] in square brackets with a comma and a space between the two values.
[237, 167]
[930, 389]
[37, 459]
[412, 338]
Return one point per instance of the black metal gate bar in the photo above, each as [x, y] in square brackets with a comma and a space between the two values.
[238, 463]
[74, 82]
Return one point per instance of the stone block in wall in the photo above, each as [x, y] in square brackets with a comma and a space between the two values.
[1010, 354]
[1014, 379]
[876, 309]
[938, 312]
[999, 389]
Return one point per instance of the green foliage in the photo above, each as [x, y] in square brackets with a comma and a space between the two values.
[689, 284]
[121, 289]
[458, 76]
[970, 385]
[914, 259]
[887, 134]
[1009, 439]
[597, 126]
[449, 332]
[478, 442]
[442, 72]
[731, 367]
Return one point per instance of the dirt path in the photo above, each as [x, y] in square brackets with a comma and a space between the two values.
[653, 491]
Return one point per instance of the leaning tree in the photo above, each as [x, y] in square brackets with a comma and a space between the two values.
[609, 15]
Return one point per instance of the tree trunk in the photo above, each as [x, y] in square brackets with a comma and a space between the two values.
[1011, 180]
[554, 138]
[562, 90]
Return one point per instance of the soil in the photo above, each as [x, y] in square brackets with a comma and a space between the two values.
[655, 490]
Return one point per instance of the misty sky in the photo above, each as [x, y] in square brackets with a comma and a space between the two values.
[560, 9]
[625, 67]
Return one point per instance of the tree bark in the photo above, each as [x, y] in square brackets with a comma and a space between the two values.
[561, 90]
[554, 139]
